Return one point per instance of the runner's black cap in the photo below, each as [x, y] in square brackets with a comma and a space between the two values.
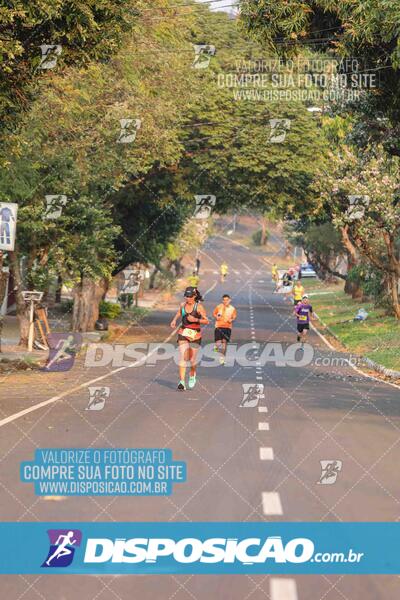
[190, 292]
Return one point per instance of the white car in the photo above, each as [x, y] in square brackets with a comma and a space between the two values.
[307, 270]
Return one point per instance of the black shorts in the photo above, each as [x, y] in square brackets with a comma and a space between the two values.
[296, 302]
[222, 333]
[182, 338]
[302, 326]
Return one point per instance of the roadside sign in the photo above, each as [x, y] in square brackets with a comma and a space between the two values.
[8, 225]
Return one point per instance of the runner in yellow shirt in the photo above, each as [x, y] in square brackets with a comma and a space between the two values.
[224, 271]
[193, 280]
[275, 275]
[274, 271]
[297, 292]
[224, 314]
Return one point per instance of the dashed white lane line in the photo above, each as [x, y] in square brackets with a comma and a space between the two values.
[271, 503]
[266, 454]
[282, 589]
[263, 426]
[263, 409]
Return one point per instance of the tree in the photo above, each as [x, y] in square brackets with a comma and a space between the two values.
[322, 245]
[363, 192]
[250, 152]
[77, 153]
[87, 30]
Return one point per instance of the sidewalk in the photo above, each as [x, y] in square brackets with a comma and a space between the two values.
[11, 351]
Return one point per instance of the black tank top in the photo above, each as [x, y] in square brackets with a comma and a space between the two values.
[195, 313]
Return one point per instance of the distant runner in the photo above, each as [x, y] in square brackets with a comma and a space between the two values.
[275, 275]
[304, 313]
[225, 314]
[194, 279]
[193, 315]
[224, 271]
[297, 292]
[287, 285]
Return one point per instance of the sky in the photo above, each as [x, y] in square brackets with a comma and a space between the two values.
[225, 5]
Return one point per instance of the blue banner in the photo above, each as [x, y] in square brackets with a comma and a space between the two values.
[205, 548]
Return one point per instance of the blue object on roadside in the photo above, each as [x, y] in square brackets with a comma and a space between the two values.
[361, 315]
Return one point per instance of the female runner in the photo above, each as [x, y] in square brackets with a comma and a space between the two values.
[193, 316]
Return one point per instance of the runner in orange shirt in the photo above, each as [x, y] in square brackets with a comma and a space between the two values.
[224, 314]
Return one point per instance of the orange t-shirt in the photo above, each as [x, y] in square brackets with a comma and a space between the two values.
[226, 312]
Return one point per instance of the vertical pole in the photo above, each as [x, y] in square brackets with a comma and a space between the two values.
[31, 326]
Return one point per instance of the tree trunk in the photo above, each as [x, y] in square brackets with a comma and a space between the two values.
[394, 275]
[58, 289]
[263, 240]
[351, 287]
[153, 278]
[394, 294]
[87, 295]
[22, 308]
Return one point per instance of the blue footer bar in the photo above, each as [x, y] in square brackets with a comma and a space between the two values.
[203, 548]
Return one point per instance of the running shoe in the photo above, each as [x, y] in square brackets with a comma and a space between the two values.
[192, 382]
[181, 386]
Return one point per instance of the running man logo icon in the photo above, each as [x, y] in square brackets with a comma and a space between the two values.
[279, 129]
[63, 543]
[50, 52]
[357, 207]
[97, 397]
[54, 206]
[202, 55]
[129, 129]
[204, 206]
[63, 350]
[330, 469]
[252, 394]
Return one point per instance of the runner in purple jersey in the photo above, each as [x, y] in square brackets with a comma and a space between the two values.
[304, 313]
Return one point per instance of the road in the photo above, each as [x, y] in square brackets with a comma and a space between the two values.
[244, 464]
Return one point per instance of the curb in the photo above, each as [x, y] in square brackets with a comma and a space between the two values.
[368, 362]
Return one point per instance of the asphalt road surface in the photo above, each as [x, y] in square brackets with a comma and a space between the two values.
[257, 463]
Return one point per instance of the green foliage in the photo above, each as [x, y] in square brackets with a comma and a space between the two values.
[372, 283]
[86, 30]
[109, 310]
[67, 306]
[230, 147]
[257, 235]
[134, 202]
